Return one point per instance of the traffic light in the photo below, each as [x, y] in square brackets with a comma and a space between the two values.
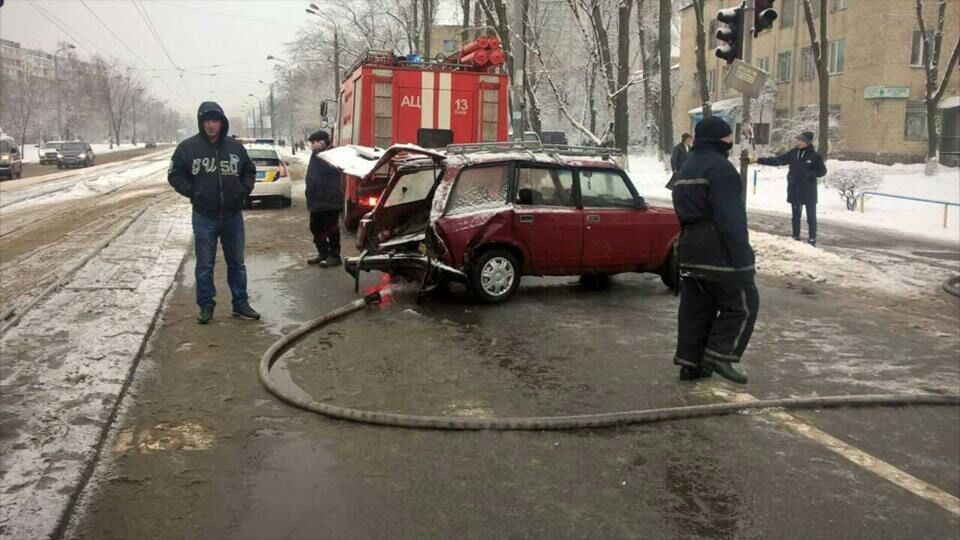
[731, 34]
[763, 16]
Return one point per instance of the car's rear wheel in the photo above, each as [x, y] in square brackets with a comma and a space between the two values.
[495, 276]
[670, 271]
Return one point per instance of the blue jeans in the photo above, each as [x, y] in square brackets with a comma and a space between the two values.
[206, 232]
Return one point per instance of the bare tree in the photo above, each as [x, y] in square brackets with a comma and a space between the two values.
[666, 96]
[934, 89]
[118, 92]
[702, 61]
[22, 100]
[649, 43]
[819, 47]
[621, 111]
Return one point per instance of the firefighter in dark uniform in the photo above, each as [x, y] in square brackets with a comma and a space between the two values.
[718, 297]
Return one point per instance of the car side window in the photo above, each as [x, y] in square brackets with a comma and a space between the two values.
[413, 187]
[538, 186]
[480, 188]
[605, 189]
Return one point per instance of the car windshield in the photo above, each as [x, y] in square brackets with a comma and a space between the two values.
[75, 146]
[262, 153]
[51, 145]
[4, 147]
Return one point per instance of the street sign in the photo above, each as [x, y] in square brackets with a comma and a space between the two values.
[886, 92]
[746, 78]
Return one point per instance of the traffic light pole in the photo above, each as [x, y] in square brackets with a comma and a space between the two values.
[746, 122]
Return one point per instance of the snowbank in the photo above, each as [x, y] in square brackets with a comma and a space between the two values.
[923, 219]
[31, 153]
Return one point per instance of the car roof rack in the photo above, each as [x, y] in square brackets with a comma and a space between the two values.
[601, 152]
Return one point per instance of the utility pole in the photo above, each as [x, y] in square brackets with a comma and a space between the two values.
[519, 94]
[746, 122]
[273, 130]
[134, 112]
[336, 63]
[56, 78]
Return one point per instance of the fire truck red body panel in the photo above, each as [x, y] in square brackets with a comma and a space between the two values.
[384, 102]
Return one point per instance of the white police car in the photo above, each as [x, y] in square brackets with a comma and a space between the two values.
[273, 179]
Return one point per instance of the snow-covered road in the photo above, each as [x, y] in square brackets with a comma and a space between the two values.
[68, 360]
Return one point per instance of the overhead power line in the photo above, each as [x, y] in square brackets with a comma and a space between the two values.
[145, 15]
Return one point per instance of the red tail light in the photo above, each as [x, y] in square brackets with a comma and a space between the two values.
[372, 201]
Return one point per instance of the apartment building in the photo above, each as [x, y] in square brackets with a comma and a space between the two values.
[876, 77]
[15, 60]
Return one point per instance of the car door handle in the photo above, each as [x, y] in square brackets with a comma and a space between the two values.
[593, 219]
[526, 218]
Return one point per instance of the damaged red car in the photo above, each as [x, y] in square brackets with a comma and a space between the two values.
[487, 214]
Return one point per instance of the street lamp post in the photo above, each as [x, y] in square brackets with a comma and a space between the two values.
[56, 78]
[289, 104]
[314, 10]
[273, 129]
[260, 103]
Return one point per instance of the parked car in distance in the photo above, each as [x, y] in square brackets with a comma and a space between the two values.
[11, 164]
[150, 144]
[75, 154]
[487, 214]
[47, 152]
[273, 178]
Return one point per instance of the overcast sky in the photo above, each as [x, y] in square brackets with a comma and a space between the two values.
[234, 35]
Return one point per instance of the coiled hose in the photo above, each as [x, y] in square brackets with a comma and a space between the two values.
[952, 286]
[552, 422]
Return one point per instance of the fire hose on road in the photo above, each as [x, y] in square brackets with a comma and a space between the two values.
[952, 286]
[599, 420]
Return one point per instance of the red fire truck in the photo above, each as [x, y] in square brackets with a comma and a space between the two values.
[389, 100]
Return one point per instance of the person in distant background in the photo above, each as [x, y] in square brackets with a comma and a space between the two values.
[806, 165]
[678, 156]
[324, 201]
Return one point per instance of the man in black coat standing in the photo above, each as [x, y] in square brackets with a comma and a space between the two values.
[718, 297]
[678, 156]
[215, 173]
[324, 195]
[806, 165]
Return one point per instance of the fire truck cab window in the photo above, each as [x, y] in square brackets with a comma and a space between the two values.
[480, 188]
[412, 186]
[544, 187]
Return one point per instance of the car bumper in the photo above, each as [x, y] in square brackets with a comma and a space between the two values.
[279, 188]
[404, 263]
[72, 160]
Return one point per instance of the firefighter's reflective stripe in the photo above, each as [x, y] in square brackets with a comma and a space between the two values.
[426, 99]
[443, 104]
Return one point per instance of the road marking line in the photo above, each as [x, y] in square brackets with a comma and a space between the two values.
[873, 464]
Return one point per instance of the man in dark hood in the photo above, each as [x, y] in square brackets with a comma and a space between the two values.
[324, 196]
[718, 297]
[215, 173]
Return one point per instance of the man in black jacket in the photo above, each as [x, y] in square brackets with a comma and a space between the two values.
[324, 201]
[806, 165]
[718, 297]
[678, 156]
[215, 173]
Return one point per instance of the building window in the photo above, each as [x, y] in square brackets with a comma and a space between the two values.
[839, 5]
[785, 66]
[838, 55]
[808, 68]
[764, 63]
[916, 51]
[915, 121]
[788, 13]
[712, 81]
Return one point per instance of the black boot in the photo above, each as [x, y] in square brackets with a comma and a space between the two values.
[331, 261]
[725, 370]
[316, 260]
[688, 373]
[205, 315]
[246, 312]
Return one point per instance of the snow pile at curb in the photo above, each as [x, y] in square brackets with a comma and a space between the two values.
[782, 256]
[67, 362]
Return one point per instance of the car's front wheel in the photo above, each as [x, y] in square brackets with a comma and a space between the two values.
[495, 276]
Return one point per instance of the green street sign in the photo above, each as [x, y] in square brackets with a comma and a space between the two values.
[886, 92]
